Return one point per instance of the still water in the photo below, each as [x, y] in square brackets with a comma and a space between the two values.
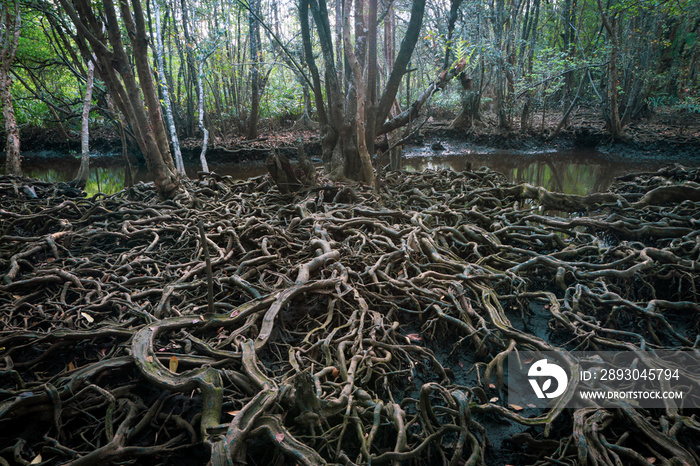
[572, 172]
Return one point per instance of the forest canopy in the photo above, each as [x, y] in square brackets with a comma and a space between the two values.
[230, 66]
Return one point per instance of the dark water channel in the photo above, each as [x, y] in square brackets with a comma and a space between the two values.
[572, 171]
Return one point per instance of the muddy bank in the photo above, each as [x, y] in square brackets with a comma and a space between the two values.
[341, 323]
[661, 148]
[655, 138]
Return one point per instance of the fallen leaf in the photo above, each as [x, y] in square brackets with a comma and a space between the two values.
[460, 363]
[37, 459]
[235, 313]
[335, 372]
[493, 400]
[87, 317]
[531, 405]
[71, 366]
[528, 360]
[234, 412]
[149, 358]
[492, 386]
[173, 363]
[414, 337]
[651, 459]
[279, 437]
[516, 407]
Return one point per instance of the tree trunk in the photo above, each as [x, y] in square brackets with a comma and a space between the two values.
[254, 41]
[454, 11]
[569, 50]
[200, 103]
[401, 64]
[364, 170]
[346, 139]
[11, 22]
[114, 67]
[371, 110]
[530, 34]
[471, 102]
[498, 21]
[613, 111]
[179, 163]
[84, 170]
[191, 71]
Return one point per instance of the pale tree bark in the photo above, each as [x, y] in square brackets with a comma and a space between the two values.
[115, 69]
[205, 140]
[84, 170]
[9, 35]
[179, 163]
[191, 69]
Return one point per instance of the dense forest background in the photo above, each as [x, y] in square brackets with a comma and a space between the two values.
[230, 68]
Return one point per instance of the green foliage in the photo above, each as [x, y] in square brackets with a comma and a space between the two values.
[658, 45]
[689, 104]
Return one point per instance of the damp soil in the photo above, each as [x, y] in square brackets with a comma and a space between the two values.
[104, 272]
[580, 160]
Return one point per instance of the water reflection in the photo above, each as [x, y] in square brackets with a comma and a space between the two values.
[571, 172]
[111, 179]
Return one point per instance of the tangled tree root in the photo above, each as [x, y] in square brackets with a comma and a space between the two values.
[347, 327]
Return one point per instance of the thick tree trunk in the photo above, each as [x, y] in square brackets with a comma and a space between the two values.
[115, 69]
[371, 109]
[613, 111]
[179, 163]
[401, 64]
[365, 171]
[254, 41]
[345, 137]
[11, 22]
[471, 103]
[84, 170]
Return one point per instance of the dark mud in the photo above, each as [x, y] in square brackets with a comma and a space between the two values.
[337, 325]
